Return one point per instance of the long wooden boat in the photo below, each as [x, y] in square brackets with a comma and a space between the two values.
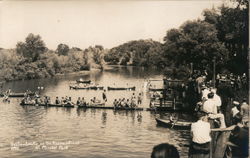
[122, 88]
[49, 105]
[16, 95]
[87, 88]
[112, 108]
[97, 106]
[175, 125]
[86, 82]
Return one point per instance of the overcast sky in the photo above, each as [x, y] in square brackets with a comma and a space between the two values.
[85, 23]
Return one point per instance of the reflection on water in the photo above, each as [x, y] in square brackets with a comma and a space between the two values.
[101, 133]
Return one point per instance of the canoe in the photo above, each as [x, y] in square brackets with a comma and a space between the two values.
[155, 89]
[87, 88]
[176, 125]
[86, 82]
[15, 95]
[49, 105]
[121, 88]
[112, 108]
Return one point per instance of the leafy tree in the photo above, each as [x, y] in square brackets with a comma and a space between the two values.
[62, 49]
[141, 53]
[232, 24]
[195, 42]
[32, 48]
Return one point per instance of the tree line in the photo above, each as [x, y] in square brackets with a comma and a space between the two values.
[32, 59]
[220, 37]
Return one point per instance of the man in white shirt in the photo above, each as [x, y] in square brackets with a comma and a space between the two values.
[200, 132]
[216, 99]
[210, 107]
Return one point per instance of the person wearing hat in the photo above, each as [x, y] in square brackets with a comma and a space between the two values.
[200, 133]
[210, 107]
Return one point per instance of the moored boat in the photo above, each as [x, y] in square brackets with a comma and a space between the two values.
[122, 88]
[156, 89]
[87, 87]
[16, 95]
[81, 81]
[48, 105]
[175, 125]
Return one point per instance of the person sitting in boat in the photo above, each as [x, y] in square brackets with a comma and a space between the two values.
[23, 101]
[78, 102]
[171, 119]
[37, 100]
[45, 100]
[115, 103]
[57, 101]
[119, 102]
[83, 102]
[66, 99]
[94, 101]
[69, 102]
[200, 133]
[123, 102]
[63, 100]
[127, 103]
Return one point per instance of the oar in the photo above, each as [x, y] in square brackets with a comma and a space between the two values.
[174, 122]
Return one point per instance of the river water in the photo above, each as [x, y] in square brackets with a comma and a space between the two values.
[53, 132]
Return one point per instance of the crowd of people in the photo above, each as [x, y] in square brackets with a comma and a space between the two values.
[132, 102]
[209, 115]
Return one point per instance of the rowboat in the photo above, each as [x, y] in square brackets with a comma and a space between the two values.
[86, 82]
[175, 125]
[121, 88]
[87, 87]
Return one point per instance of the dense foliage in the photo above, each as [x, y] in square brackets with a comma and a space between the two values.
[31, 59]
[221, 37]
[138, 53]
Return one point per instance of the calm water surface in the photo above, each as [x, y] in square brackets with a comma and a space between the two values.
[85, 133]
